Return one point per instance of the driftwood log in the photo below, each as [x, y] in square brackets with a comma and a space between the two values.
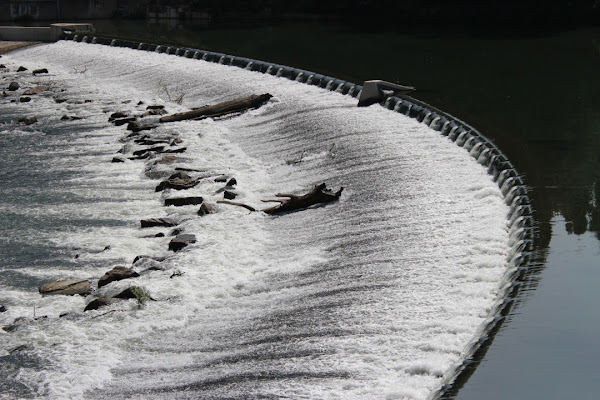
[220, 109]
[319, 194]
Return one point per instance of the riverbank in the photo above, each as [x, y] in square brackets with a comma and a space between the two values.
[6, 46]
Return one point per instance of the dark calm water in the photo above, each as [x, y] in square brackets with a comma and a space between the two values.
[538, 98]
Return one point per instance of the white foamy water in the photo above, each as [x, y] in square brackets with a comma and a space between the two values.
[377, 296]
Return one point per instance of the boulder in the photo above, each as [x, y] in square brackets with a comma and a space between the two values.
[181, 241]
[151, 222]
[155, 107]
[173, 151]
[40, 71]
[232, 182]
[229, 195]
[99, 302]
[21, 69]
[28, 120]
[144, 257]
[67, 287]
[2, 308]
[116, 274]
[35, 90]
[205, 209]
[147, 263]
[117, 160]
[2, 66]
[25, 99]
[183, 201]
[13, 86]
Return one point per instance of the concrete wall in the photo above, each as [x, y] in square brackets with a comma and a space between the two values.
[25, 34]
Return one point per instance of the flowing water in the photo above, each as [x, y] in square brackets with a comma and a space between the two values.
[379, 295]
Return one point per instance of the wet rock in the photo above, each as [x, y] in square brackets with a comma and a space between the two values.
[3, 309]
[117, 160]
[177, 181]
[232, 182]
[221, 179]
[35, 90]
[142, 157]
[123, 121]
[99, 302]
[67, 287]
[177, 150]
[206, 208]
[2, 66]
[149, 141]
[181, 241]
[183, 201]
[128, 293]
[40, 71]
[116, 274]
[136, 126]
[176, 231]
[144, 257]
[155, 107]
[28, 120]
[148, 150]
[159, 234]
[117, 115]
[13, 86]
[153, 112]
[176, 274]
[59, 101]
[21, 69]
[229, 195]
[151, 222]
[25, 99]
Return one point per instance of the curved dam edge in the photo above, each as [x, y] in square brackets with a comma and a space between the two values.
[520, 221]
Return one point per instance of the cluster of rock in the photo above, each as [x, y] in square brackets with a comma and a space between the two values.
[14, 87]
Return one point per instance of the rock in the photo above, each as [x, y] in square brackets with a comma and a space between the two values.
[2, 66]
[59, 101]
[117, 115]
[177, 181]
[40, 71]
[117, 160]
[159, 234]
[99, 302]
[153, 112]
[155, 107]
[13, 86]
[150, 222]
[176, 231]
[220, 179]
[183, 201]
[20, 348]
[128, 293]
[116, 274]
[144, 257]
[181, 241]
[28, 120]
[177, 150]
[123, 121]
[35, 90]
[3, 309]
[148, 150]
[229, 195]
[148, 141]
[25, 99]
[136, 126]
[67, 287]
[21, 69]
[206, 209]
[232, 182]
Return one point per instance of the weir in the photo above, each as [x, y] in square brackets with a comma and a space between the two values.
[501, 170]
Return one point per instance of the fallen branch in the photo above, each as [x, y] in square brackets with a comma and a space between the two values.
[220, 109]
[319, 194]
